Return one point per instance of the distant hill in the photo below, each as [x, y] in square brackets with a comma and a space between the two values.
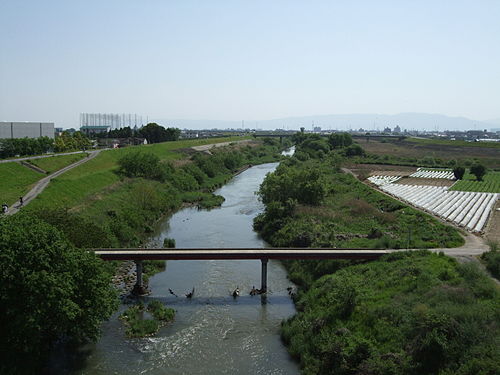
[410, 121]
[494, 122]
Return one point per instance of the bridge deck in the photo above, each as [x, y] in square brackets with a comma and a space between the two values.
[243, 253]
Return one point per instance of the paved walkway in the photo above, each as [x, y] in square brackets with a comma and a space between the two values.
[39, 157]
[42, 184]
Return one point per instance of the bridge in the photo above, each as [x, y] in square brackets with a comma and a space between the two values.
[355, 135]
[139, 254]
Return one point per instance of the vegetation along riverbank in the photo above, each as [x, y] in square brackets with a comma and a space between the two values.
[113, 200]
[407, 313]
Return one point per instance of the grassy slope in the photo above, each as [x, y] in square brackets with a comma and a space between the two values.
[15, 181]
[410, 313]
[490, 183]
[54, 163]
[71, 188]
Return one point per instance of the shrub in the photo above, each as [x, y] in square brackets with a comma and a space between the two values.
[459, 172]
[478, 170]
[168, 243]
[492, 260]
[141, 164]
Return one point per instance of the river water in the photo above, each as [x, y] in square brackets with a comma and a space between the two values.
[213, 333]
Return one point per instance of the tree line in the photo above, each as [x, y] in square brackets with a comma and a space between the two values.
[153, 133]
[36, 146]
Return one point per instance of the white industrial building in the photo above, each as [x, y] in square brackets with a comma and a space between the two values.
[11, 130]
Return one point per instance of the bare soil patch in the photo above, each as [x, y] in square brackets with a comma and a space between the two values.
[381, 170]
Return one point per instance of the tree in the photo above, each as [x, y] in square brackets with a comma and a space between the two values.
[49, 290]
[141, 164]
[155, 133]
[459, 172]
[339, 140]
[354, 150]
[478, 170]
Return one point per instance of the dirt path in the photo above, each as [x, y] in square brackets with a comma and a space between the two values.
[222, 144]
[42, 184]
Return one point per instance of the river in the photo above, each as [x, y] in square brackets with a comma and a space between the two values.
[213, 333]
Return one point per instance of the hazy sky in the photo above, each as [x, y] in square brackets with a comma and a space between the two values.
[252, 60]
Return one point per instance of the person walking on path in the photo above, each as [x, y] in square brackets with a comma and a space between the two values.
[20, 201]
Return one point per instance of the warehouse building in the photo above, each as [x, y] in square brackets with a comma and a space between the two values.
[11, 130]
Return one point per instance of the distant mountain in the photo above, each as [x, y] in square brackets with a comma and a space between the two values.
[410, 121]
[495, 122]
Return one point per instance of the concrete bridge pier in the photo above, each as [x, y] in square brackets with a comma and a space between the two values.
[139, 288]
[263, 275]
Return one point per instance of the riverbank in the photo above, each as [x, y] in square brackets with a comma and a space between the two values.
[124, 212]
[212, 332]
[407, 313]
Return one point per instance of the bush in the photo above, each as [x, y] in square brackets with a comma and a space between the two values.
[168, 243]
[478, 170]
[492, 260]
[459, 172]
[141, 164]
[161, 312]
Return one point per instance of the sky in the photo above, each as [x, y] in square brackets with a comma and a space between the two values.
[247, 60]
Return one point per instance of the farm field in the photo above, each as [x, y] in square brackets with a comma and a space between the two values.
[54, 163]
[470, 210]
[488, 154]
[490, 183]
[15, 181]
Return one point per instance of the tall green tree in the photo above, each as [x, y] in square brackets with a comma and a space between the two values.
[340, 140]
[155, 133]
[479, 171]
[459, 172]
[48, 290]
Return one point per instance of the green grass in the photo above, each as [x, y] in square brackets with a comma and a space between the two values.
[447, 142]
[54, 163]
[88, 179]
[409, 313]
[15, 181]
[490, 183]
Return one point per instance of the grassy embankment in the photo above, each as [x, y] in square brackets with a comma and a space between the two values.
[98, 207]
[54, 163]
[15, 181]
[489, 184]
[408, 313]
[430, 152]
[349, 214]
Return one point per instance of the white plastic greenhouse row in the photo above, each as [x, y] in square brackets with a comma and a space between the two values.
[383, 180]
[424, 173]
[467, 209]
